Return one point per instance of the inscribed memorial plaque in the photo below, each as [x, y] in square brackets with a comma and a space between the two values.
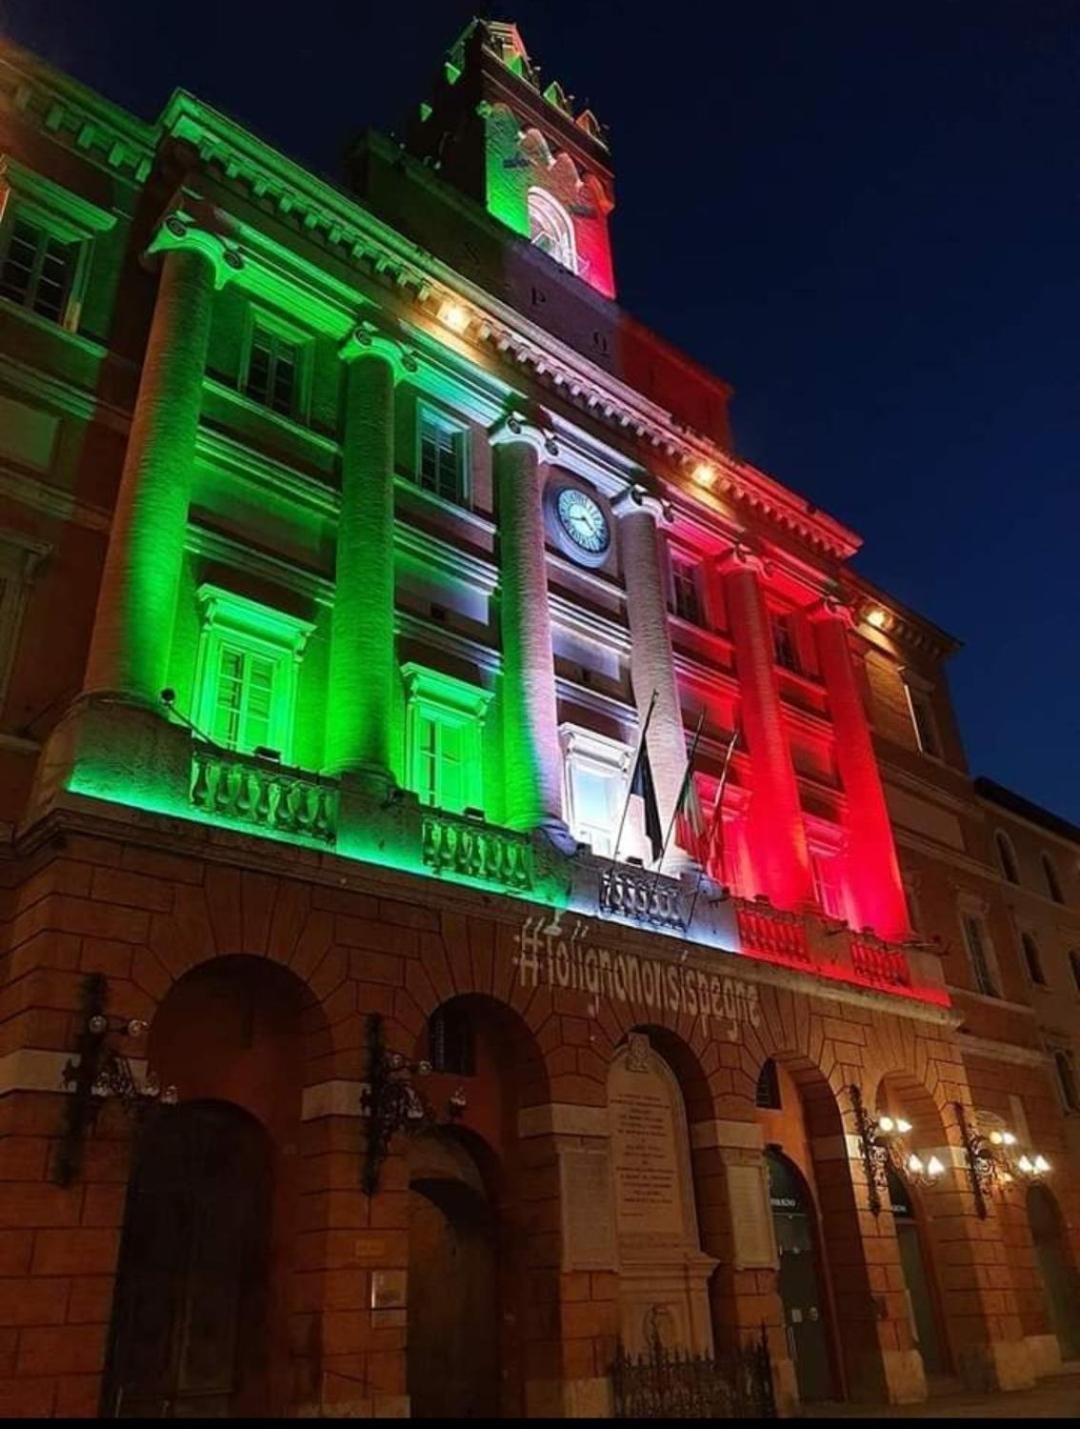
[751, 1217]
[588, 1216]
[645, 1154]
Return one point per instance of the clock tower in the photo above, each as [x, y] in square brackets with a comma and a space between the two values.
[519, 146]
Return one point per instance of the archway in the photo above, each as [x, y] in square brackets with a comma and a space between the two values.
[1057, 1272]
[922, 1309]
[189, 1320]
[453, 1319]
[800, 1283]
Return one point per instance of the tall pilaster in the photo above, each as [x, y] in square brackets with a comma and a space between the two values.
[651, 663]
[130, 644]
[776, 832]
[362, 659]
[532, 761]
[874, 881]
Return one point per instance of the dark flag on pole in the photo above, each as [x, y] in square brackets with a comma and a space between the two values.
[641, 782]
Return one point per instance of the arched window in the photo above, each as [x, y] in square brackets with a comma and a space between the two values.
[1032, 959]
[552, 229]
[450, 1039]
[1052, 884]
[1007, 857]
[768, 1087]
[1067, 1080]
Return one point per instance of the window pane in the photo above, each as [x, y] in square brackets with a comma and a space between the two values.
[260, 693]
[979, 962]
[51, 292]
[924, 724]
[451, 774]
[784, 643]
[258, 379]
[425, 760]
[442, 459]
[226, 727]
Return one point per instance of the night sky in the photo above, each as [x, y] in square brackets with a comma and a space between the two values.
[866, 216]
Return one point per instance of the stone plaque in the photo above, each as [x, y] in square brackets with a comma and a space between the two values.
[645, 1153]
[751, 1217]
[588, 1214]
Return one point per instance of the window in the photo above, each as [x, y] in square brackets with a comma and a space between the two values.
[19, 559]
[551, 228]
[450, 1041]
[1007, 857]
[767, 1094]
[827, 889]
[246, 673]
[978, 952]
[442, 457]
[922, 717]
[1074, 963]
[684, 588]
[45, 243]
[1032, 959]
[444, 739]
[785, 650]
[38, 269]
[1050, 874]
[1067, 1080]
[273, 370]
[596, 773]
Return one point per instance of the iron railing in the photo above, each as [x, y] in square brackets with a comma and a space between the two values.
[662, 1383]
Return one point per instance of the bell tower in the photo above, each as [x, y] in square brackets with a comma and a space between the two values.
[495, 131]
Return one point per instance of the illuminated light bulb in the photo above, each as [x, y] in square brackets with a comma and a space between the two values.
[915, 1165]
[1041, 1165]
[997, 1138]
[934, 1167]
[876, 617]
[902, 1126]
[1025, 1165]
[703, 474]
[454, 316]
[1008, 1139]
[886, 1124]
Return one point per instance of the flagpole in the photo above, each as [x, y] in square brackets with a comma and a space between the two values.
[629, 790]
[718, 813]
[678, 803]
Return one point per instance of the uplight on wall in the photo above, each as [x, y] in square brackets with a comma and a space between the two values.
[454, 316]
[704, 475]
[876, 617]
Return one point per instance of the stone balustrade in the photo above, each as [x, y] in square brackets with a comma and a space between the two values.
[634, 893]
[771, 933]
[243, 789]
[473, 849]
[879, 962]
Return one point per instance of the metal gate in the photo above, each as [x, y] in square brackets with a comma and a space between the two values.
[663, 1383]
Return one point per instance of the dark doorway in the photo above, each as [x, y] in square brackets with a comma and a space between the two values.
[800, 1284]
[1056, 1270]
[189, 1318]
[453, 1329]
[924, 1324]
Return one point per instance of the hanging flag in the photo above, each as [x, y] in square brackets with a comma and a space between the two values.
[714, 838]
[641, 783]
[691, 828]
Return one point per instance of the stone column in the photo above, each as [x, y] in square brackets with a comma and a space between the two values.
[132, 636]
[651, 663]
[359, 716]
[775, 830]
[532, 760]
[876, 887]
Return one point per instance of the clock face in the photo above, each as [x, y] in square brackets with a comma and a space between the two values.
[582, 520]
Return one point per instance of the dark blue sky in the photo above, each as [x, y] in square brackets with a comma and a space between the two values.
[864, 215]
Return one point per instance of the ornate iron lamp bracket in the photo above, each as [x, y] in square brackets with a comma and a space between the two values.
[979, 1157]
[100, 1070]
[874, 1155]
[389, 1102]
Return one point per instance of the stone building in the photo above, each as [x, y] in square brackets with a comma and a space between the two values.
[353, 542]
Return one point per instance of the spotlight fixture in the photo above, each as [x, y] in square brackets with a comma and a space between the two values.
[876, 617]
[454, 316]
[704, 475]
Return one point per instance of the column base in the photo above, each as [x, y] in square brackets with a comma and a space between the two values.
[115, 747]
[1044, 1352]
[996, 1365]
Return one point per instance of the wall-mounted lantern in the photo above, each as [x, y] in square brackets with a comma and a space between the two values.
[100, 1070]
[881, 1142]
[995, 1159]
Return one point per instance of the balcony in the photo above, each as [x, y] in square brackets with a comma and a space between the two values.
[472, 849]
[634, 893]
[770, 933]
[879, 963]
[242, 789]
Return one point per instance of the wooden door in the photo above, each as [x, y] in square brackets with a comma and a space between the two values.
[189, 1317]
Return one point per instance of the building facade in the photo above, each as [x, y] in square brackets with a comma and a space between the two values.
[353, 542]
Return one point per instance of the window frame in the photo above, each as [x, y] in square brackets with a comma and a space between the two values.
[1007, 860]
[1074, 964]
[558, 216]
[229, 620]
[610, 759]
[1068, 1083]
[920, 698]
[20, 558]
[1051, 879]
[976, 917]
[1031, 955]
[784, 637]
[280, 330]
[685, 572]
[60, 214]
[446, 700]
[460, 430]
[818, 858]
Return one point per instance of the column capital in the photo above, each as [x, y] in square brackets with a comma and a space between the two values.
[636, 499]
[829, 607]
[197, 226]
[364, 339]
[741, 557]
[517, 427]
